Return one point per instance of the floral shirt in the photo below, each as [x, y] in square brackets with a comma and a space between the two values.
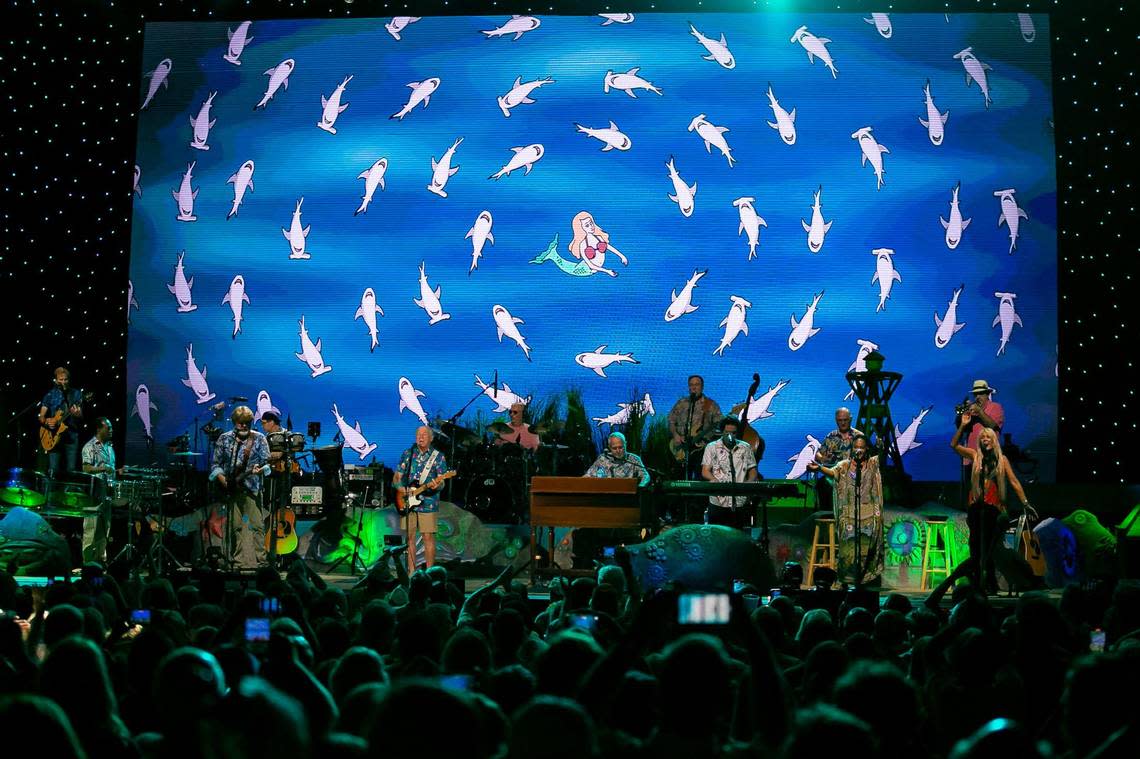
[96, 453]
[716, 458]
[835, 447]
[429, 499]
[628, 466]
[705, 416]
[229, 452]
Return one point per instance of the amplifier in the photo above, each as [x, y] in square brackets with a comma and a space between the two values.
[306, 495]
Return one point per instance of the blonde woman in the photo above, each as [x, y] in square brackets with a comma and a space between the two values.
[591, 243]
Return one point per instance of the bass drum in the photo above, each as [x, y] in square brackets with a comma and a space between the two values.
[491, 499]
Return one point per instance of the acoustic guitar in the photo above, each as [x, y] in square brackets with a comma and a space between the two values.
[285, 534]
[681, 451]
[1030, 546]
[404, 504]
[49, 438]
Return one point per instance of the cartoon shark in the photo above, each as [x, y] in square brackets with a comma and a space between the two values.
[870, 151]
[398, 24]
[948, 325]
[885, 275]
[143, 406]
[957, 225]
[367, 311]
[265, 403]
[975, 71]
[503, 397]
[683, 195]
[310, 354]
[236, 297]
[682, 304]
[805, 456]
[1028, 30]
[519, 94]
[712, 135]
[1011, 215]
[297, 235]
[196, 380]
[238, 41]
[138, 175]
[201, 125]
[353, 437]
[882, 24]
[934, 121]
[817, 229]
[278, 79]
[621, 416]
[429, 299]
[616, 18]
[718, 49]
[815, 47]
[860, 362]
[242, 180]
[410, 399]
[525, 155]
[804, 329]
[505, 325]
[332, 107]
[906, 438]
[627, 82]
[750, 223]
[181, 288]
[480, 234]
[734, 323]
[158, 78]
[1006, 317]
[785, 122]
[373, 176]
[442, 171]
[611, 136]
[421, 93]
[758, 407]
[131, 299]
[518, 26]
[596, 360]
[565, 265]
[184, 196]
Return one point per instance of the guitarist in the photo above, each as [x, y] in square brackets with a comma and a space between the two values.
[241, 459]
[421, 464]
[692, 422]
[62, 397]
[835, 447]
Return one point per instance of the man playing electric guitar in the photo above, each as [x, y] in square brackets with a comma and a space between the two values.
[241, 459]
[421, 464]
[693, 423]
[62, 406]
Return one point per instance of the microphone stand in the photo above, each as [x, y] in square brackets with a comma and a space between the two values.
[732, 474]
[858, 461]
[453, 421]
[18, 436]
[688, 441]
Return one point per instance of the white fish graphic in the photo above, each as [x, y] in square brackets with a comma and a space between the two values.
[870, 151]
[421, 93]
[503, 397]
[1006, 317]
[712, 135]
[138, 175]
[627, 82]
[242, 180]
[353, 437]
[373, 177]
[519, 94]
[934, 121]
[734, 323]
[332, 107]
[612, 137]
[750, 223]
[442, 171]
[682, 304]
[805, 456]
[906, 438]
[131, 299]
[616, 18]
[805, 328]
[505, 324]
[265, 403]
[885, 274]
[718, 49]
[367, 311]
[1011, 215]
[184, 196]
[948, 325]
[860, 362]
[410, 399]
[817, 230]
[683, 195]
[143, 406]
[785, 122]
[310, 354]
[278, 79]
[429, 299]
[882, 24]
[518, 26]
[815, 47]
[181, 289]
[957, 225]
[236, 297]
[237, 42]
[201, 125]
[480, 234]
[158, 78]
[597, 360]
[398, 24]
[297, 235]
[759, 406]
[525, 156]
[1028, 30]
[644, 407]
[196, 380]
[975, 71]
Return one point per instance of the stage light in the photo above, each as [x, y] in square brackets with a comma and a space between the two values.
[824, 578]
[793, 575]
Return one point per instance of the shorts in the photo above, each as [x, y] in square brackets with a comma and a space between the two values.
[422, 521]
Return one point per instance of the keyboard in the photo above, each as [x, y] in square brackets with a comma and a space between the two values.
[766, 488]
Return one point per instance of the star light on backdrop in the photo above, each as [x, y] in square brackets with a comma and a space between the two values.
[71, 88]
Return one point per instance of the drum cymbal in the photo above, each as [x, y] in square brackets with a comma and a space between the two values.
[21, 496]
[501, 428]
[555, 446]
[461, 435]
[69, 501]
[186, 454]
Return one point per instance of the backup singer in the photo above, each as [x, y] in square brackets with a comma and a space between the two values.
[62, 397]
[98, 459]
[985, 414]
[421, 464]
[241, 460]
[616, 461]
[728, 460]
[858, 476]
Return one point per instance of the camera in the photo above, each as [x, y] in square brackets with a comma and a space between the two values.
[703, 609]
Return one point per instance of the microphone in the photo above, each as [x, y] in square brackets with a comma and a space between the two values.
[495, 383]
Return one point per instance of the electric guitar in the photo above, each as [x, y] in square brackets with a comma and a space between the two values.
[681, 451]
[404, 504]
[285, 535]
[49, 437]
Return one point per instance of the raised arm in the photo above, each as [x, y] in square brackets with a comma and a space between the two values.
[963, 451]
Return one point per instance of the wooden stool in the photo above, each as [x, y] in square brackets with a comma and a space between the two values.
[822, 554]
[936, 550]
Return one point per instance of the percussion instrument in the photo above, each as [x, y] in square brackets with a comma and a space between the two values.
[491, 499]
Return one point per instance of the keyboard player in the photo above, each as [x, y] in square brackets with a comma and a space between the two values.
[728, 460]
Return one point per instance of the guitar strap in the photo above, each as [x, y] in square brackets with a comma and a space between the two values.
[428, 465]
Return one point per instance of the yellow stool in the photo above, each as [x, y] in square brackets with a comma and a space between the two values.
[822, 554]
[936, 550]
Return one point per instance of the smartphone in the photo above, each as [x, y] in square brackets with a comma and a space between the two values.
[257, 629]
[140, 617]
[765, 600]
[456, 683]
[703, 609]
[1096, 640]
[270, 606]
[608, 552]
[773, 593]
[584, 621]
[738, 586]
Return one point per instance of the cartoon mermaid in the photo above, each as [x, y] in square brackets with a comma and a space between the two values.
[591, 243]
